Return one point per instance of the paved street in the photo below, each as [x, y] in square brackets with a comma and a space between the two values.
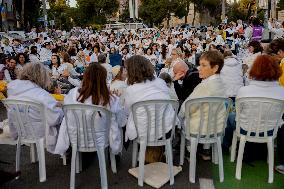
[58, 175]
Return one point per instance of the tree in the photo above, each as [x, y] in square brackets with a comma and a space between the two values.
[29, 11]
[235, 12]
[249, 6]
[281, 4]
[148, 10]
[211, 7]
[96, 11]
[59, 13]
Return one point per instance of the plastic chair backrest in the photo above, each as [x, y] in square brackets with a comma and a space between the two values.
[88, 126]
[258, 117]
[154, 113]
[211, 111]
[28, 117]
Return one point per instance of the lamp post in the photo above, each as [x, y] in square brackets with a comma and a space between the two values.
[223, 9]
[44, 14]
[269, 16]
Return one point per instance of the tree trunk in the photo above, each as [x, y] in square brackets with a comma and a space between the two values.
[187, 11]
[23, 14]
[168, 20]
[249, 11]
[194, 14]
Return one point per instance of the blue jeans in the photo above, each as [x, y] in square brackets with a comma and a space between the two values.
[280, 144]
[229, 130]
[231, 127]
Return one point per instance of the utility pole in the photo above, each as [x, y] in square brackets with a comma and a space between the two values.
[223, 9]
[44, 14]
[273, 9]
[269, 16]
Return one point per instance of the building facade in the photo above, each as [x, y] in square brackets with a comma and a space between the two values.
[8, 15]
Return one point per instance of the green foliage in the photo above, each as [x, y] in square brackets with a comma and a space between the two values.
[281, 4]
[31, 12]
[155, 11]
[235, 12]
[96, 11]
[87, 12]
[60, 12]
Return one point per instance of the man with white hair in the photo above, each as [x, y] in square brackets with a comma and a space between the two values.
[190, 79]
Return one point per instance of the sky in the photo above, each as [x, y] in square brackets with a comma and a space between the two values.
[73, 3]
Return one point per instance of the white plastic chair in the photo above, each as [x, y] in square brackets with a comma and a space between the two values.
[84, 132]
[19, 110]
[155, 133]
[209, 133]
[257, 120]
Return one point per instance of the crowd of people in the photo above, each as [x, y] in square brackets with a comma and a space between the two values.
[117, 68]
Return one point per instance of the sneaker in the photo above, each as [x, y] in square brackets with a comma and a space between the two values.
[280, 169]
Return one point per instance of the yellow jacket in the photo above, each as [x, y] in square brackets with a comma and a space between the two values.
[3, 89]
[281, 79]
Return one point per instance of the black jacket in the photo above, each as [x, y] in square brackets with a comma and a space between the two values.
[190, 81]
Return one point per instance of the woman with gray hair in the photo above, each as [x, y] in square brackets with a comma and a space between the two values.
[32, 85]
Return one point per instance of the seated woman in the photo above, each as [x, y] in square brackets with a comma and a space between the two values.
[32, 85]
[94, 91]
[211, 64]
[56, 67]
[21, 62]
[10, 70]
[118, 84]
[143, 86]
[264, 75]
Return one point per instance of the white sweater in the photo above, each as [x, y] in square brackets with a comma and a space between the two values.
[231, 75]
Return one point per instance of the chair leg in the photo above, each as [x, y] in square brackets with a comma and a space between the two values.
[192, 163]
[112, 162]
[102, 164]
[182, 148]
[215, 153]
[78, 162]
[134, 153]
[64, 159]
[18, 156]
[141, 164]
[240, 157]
[41, 160]
[234, 147]
[73, 167]
[220, 158]
[170, 160]
[33, 153]
[270, 147]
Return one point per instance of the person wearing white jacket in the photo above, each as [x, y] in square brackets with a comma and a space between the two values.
[45, 54]
[31, 86]
[277, 31]
[211, 63]
[94, 91]
[265, 73]
[231, 74]
[144, 86]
